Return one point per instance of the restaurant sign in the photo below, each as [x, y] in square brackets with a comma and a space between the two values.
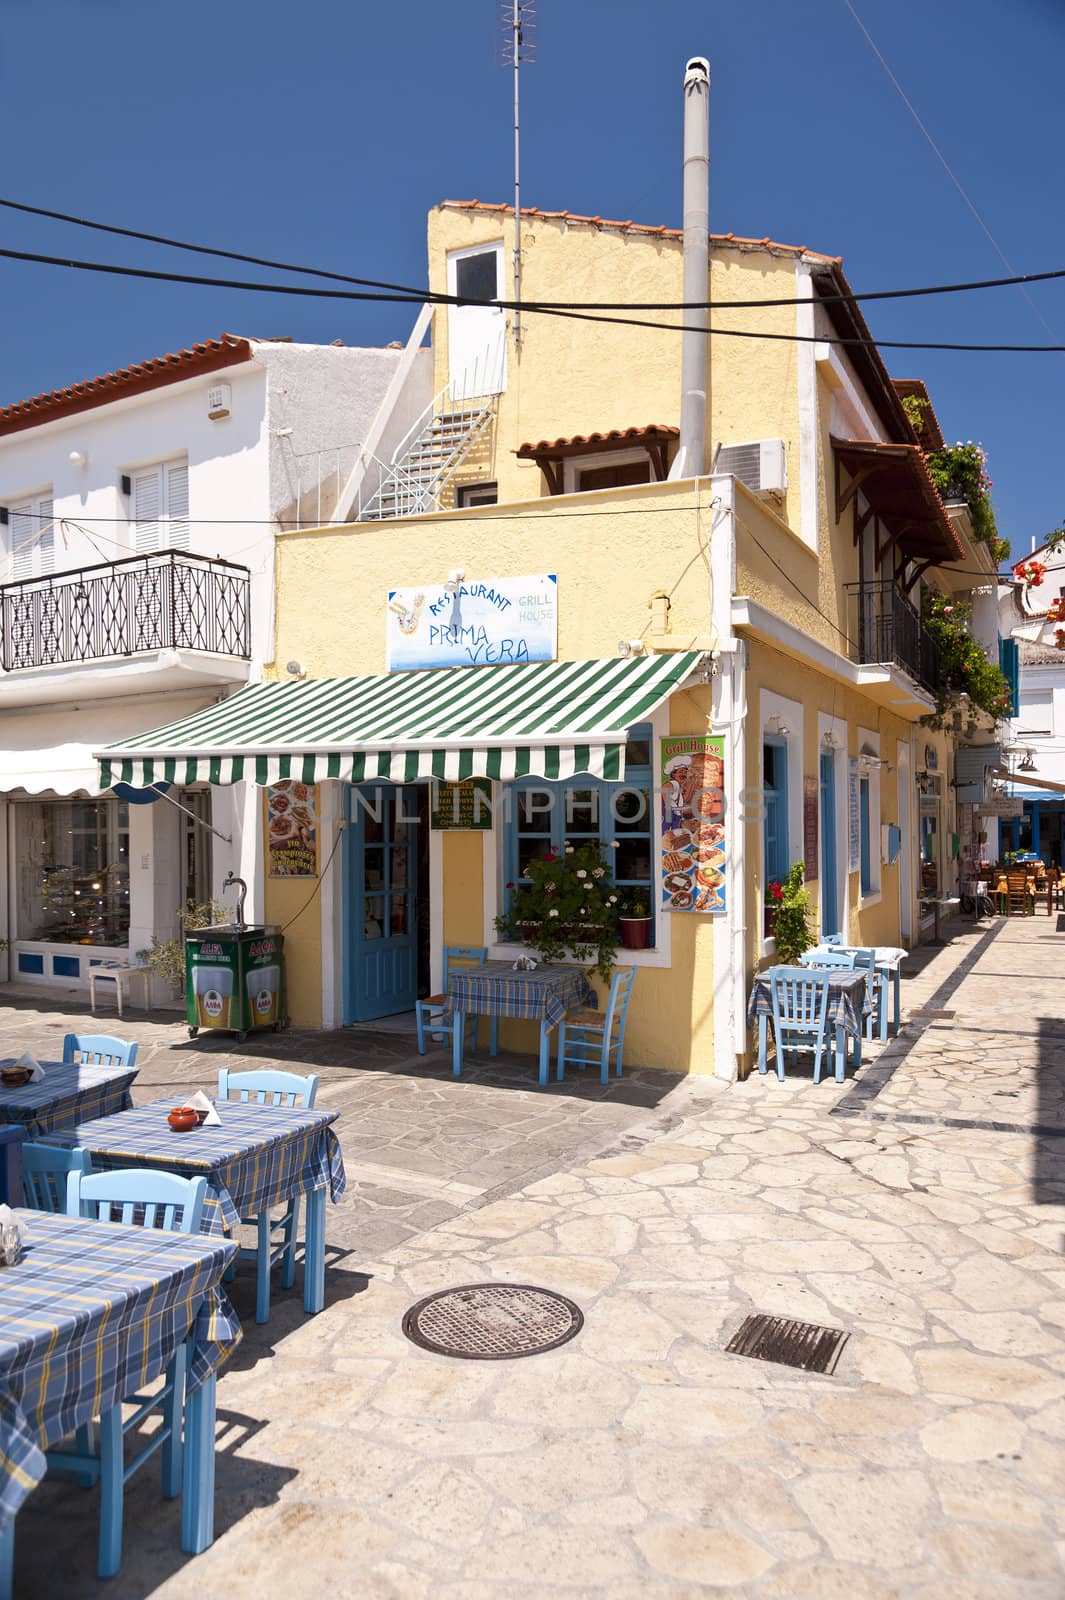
[1004, 806]
[292, 829]
[462, 806]
[854, 817]
[809, 827]
[694, 852]
[475, 622]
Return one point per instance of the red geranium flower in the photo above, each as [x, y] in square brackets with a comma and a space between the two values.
[776, 890]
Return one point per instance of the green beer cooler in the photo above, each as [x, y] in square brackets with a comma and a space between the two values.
[234, 980]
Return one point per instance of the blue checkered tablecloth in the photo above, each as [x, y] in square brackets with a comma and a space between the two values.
[848, 998]
[91, 1313]
[258, 1156]
[496, 990]
[68, 1095]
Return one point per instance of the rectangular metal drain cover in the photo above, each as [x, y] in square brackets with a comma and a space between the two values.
[789, 1343]
[932, 1015]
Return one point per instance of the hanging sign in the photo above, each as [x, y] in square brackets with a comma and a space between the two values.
[694, 852]
[465, 806]
[854, 817]
[487, 622]
[809, 827]
[1005, 806]
[292, 829]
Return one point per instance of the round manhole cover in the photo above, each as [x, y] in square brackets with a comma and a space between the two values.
[492, 1321]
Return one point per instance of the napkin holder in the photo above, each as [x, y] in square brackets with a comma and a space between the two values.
[13, 1236]
[525, 964]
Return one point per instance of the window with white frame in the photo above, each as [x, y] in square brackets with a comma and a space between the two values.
[159, 507]
[775, 804]
[1035, 716]
[869, 815]
[540, 816]
[31, 537]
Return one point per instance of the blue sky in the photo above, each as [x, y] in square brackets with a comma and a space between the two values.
[323, 132]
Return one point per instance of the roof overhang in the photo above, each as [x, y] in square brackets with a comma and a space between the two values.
[896, 483]
[549, 454]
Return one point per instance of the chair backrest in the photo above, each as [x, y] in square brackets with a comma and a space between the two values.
[98, 1050]
[142, 1198]
[865, 957]
[617, 1001]
[800, 999]
[269, 1087]
[831, 938]
[828, 958]
[473, 954]
[46, 1173]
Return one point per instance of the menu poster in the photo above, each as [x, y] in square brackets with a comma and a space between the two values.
[809, 827]
[292, 829]
[854, 817]
[694, 850]
[461, 806]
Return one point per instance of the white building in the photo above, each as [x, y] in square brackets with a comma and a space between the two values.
[1036, 745]
[137, 519]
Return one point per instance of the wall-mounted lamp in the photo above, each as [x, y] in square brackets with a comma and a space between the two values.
[631, 647]
[829, 741]
[78, 458]
[777, 728]
[295, 670]
[1027, 762]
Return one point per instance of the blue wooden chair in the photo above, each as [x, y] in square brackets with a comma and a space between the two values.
[876, 1021]
[47, 1171]
[831, 938]
[98, 1050]
[275, 1237]
[800, 1016]
[830, 957]
[154, 1200]
[597, 1036]
[430, 1015]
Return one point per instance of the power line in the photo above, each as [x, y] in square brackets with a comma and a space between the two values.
[439, 298]
[153, 275]
[948, 169]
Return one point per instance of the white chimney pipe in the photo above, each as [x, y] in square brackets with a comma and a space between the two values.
[691, 456]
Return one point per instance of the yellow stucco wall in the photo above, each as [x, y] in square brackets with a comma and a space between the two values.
[286, 899]
[573, 377]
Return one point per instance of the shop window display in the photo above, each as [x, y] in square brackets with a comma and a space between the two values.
[73, 871]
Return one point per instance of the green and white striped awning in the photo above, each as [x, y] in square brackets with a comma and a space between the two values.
[546, 719]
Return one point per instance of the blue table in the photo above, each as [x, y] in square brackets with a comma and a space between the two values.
[887, 964]
[495, 989]
[68, 1094]
[848, 1004]
[92, 1312]
[257, 1157]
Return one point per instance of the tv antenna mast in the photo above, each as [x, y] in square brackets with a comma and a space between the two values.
[517, 20]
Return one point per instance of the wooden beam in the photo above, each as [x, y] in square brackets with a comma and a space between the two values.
[844, 497]
[919, 572]
[552, 471]
[656, 449]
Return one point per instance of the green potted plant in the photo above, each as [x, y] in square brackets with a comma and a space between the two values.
[791, 928]
[567, 908]
[166, 957]
[634, 920]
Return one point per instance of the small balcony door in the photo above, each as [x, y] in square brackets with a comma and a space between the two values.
[476, 334]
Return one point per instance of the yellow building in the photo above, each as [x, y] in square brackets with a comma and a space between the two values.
[769, 601]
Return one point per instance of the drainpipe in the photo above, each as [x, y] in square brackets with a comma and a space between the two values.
[690, 460]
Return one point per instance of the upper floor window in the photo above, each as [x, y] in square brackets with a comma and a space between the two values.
[160, 506]
[31, 538]
[469, 495]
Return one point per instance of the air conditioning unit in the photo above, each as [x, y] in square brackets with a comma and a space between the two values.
[218, 400]
[762, 465]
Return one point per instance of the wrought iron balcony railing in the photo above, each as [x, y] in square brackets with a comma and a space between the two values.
[886, 628]
[168, 600]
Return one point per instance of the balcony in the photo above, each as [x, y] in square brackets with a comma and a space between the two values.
[885, 629]
[168, 600]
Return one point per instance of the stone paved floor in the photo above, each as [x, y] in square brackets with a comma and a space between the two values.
[920, 1207]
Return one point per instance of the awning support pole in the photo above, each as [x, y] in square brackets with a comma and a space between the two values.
[226, 838]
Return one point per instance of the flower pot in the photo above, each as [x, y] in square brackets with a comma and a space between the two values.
[635, 932]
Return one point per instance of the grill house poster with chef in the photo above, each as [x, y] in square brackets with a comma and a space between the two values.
[691, 774]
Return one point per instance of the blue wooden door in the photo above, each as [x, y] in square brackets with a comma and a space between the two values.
[829, 890]
[380, 902]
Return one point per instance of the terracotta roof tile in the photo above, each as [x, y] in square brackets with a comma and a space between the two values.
[652, 430]
[726, 240]
[139, 376]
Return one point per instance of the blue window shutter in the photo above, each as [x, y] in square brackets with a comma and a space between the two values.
[863, 800]
[775, 785]
[1009, 659]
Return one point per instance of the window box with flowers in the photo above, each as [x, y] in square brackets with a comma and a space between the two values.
[959, 472]
[965, 669]
[566, 907]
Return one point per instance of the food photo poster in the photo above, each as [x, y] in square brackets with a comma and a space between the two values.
[292, 829]
[691, 773]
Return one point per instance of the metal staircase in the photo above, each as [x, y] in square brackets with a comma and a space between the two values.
[426, 459]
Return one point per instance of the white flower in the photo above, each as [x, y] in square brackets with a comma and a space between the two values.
[584, 911]
[598, 872]
[552, 913]
[613, 899]
[581, 872]
[569, 849]
[613, 844]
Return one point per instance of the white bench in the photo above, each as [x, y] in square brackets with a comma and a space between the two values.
[119, 974]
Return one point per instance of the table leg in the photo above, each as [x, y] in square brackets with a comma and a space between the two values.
[197, 1500]
[883, 981]
[545, 1052]
[841, 1053]
[897, 986]
[458, 1035]
[314, 1254]
[7, 1559]
[763, 1042]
